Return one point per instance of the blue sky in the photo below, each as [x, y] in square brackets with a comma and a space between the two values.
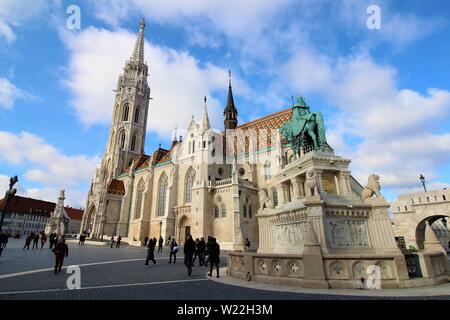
[385, 93]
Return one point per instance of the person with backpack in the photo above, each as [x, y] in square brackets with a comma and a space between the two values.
[173, 251]
[189, 250]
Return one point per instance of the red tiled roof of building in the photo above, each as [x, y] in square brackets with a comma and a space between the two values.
[74, 214]
[116, 187]
[22, 205]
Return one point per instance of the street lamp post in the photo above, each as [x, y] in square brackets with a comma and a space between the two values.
[11, 192]
[422, 179]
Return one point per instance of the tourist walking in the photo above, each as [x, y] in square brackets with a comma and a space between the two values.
[3, 240]
[208, 245]
[61, 251]
[214, 256]
[82, 239]
[196, 255]
[43, 240]
[201, 251]
[160, 244]
[247, 243]
[27, 242]
[173, 251]
[189, 250]
[151, 251]
[36, 241]
[145, 241]
[112, 241]
[119, 239]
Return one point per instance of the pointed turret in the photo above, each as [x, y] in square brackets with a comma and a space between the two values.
[138, 52]
[205, 119]
[230, 112]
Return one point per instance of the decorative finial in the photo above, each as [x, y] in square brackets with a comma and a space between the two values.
[160, 146]
[205, 100]
[175, 135]
[142, 23]
[229, 77]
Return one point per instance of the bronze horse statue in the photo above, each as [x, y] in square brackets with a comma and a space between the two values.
[306, 130]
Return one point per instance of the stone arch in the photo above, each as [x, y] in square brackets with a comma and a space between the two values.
[122, 139]
[184, 228]
[163, 184]
[420, 229]
[139, 198]
[188, 184]
[125, 112]
[89, 225]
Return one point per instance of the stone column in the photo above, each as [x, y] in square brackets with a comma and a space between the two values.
[319, 180]
[343, 178]
[281, 195]
[301, 181]
[296, 188]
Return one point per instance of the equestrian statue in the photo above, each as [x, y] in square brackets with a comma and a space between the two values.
[306, 130]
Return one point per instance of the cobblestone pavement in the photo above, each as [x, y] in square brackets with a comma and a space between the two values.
[121, 274]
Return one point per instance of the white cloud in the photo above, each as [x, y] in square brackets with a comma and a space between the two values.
[9, 93]
[16, 13]
[177, 80]
[46, 165]
[231, 17]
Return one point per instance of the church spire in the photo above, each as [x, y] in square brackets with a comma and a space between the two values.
[230, 112]
[205, 118]
[138, 52]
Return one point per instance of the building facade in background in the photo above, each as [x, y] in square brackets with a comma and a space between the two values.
[24, 216]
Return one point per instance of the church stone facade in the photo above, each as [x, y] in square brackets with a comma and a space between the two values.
[206, 183]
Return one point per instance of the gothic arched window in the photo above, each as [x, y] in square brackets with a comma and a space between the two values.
[188, 184]
[133, 142]
[139, 194]
[126, 111]
[162, 195]
[216, 212]
[122, 140]
[136, 115]
[267, 173]
[275, 196]
[224, 210]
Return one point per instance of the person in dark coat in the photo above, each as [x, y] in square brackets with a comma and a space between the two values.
[27, 242]
[189, 250]
[208, 245]
[61, 251]
[53, 240]
[214, 256]
[201, 251]
[112, 241]
[36, 241]
[160, 244]
[196, 254]
[43, 240]
[151, 251]
[247, 243]
[145, 241]
[119, 239]
[173, 251]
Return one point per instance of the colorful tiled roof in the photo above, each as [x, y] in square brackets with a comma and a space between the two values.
[116, 187]
[260, 131]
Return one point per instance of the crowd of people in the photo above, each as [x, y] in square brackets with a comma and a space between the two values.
[207, 253]
[193, 250]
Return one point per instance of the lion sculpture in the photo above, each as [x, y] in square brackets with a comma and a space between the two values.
[372, 188]
[264, 200]
[311, 188]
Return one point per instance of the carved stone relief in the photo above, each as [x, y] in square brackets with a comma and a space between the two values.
[345, 233]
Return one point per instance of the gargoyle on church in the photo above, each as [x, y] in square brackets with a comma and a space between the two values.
[207, 182]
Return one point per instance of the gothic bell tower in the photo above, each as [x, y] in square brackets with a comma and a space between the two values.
[129, 121]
